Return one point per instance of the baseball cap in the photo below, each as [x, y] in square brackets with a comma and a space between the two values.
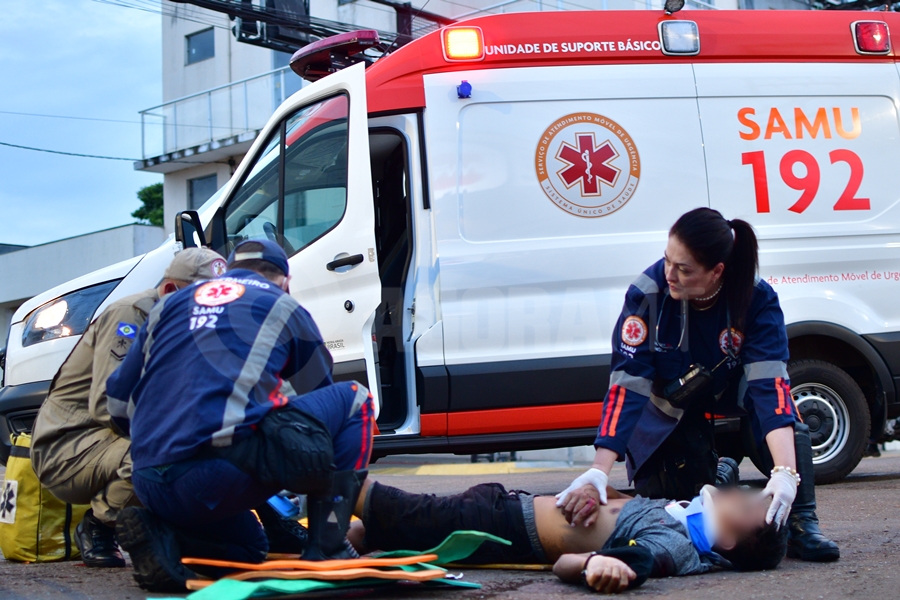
[271, 253]
[195, 264]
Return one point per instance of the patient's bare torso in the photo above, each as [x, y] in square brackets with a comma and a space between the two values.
[558, 537]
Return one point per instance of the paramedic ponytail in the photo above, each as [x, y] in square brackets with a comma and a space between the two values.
[711, 240]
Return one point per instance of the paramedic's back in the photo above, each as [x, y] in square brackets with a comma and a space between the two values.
[213, 360]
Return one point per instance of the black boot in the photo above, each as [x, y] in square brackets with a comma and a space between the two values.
[97, 543]
[286, 536]
[728, 474]
[329, 518]
[154, 551]
[805, 541]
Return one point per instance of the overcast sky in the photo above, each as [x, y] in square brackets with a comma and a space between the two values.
[78, 58]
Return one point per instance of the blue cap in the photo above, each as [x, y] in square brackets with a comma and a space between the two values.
[271, 253]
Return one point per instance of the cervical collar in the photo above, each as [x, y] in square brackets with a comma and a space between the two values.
[698, 517]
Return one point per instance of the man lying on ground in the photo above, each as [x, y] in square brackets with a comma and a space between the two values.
[632, 538]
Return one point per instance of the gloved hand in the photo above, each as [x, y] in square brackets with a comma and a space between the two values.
[782, 488]
[574, 501]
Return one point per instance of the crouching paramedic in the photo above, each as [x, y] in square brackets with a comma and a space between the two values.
[631, 539]
[209, 394]
[74, 450]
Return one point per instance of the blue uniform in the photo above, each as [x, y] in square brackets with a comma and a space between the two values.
[211, 361]
[209, 364]
[651, 348]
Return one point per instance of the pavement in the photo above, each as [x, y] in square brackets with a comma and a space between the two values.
[862, 514]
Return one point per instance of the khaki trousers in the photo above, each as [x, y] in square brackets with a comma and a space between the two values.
[99, 474]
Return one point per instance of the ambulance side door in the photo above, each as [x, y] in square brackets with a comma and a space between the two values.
[310, 188]
[553, 189]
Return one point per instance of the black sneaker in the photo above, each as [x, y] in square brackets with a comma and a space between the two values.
[286, 536]
[154, 551]
[97, 543]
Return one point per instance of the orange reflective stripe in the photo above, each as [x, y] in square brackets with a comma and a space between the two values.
[608, 409]
[779, 390]
[620, 401]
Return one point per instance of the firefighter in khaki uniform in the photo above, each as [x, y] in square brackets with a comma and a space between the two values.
[75, 451]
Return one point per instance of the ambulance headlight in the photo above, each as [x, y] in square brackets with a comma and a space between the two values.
[67, 315]
[679, 38]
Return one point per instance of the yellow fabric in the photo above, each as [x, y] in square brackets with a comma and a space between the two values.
[34, 525]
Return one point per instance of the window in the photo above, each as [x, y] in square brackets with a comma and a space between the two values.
[310, 150]
[200, 46]
[201, 189]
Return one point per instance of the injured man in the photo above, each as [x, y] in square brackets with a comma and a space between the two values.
[632, 539]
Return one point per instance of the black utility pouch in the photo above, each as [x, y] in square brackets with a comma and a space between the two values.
[290, 450]
[681, 391]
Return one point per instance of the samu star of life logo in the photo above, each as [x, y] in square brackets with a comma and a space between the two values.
[587, 164]
[217, 293]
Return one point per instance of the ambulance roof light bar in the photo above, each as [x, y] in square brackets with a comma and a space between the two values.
[679, 38]
[463, 44]
[871, 37]
[324, 57]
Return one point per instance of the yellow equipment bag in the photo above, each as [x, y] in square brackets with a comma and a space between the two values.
[34, 525]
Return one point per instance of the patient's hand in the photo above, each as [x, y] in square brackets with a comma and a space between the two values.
[582, 507]
[608, 575]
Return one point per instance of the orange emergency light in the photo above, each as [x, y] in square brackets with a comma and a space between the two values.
[463, 44]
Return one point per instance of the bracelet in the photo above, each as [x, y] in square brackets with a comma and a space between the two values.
[585, 567]
[792, 472]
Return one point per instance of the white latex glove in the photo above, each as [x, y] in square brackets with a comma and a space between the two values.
[782, 488]
[595, 477]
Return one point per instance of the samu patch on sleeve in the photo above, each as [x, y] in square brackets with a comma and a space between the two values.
[126, 330]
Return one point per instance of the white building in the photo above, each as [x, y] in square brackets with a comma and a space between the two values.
[218, 92]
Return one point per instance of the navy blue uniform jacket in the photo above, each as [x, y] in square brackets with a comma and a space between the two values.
[210, 362]
[636, 418]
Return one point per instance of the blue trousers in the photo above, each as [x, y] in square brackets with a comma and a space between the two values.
[208, 501]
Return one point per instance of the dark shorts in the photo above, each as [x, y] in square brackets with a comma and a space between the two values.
[397, 520]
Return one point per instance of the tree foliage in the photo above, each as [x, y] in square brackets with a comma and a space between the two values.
[151, 210]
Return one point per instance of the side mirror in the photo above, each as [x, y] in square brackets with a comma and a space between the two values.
[216, 232]
[187, 223]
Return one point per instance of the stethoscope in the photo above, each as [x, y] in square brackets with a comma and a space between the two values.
[730, 351]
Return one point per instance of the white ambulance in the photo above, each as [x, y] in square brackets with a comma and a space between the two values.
[464, 216]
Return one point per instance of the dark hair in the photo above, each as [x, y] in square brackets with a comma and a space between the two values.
[263, 267]
[759, 551]
[712, 239]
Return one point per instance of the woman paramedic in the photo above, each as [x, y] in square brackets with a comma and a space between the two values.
[699, 335]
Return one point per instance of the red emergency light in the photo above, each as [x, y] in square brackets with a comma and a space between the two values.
[324, 57]
[871, 37]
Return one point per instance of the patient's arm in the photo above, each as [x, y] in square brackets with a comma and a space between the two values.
[604, 573]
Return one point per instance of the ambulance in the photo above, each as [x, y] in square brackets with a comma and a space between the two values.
[464, 215]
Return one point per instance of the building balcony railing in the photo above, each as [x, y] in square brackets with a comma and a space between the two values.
[221, 113]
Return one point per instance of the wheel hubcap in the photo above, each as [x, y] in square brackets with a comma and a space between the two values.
[825, 413]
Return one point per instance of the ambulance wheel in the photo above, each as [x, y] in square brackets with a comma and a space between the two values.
[835, 409]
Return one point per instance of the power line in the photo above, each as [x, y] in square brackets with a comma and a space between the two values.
[186, 162]
[27, 114]
[66, 153]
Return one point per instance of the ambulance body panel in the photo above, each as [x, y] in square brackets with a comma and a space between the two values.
[466, 255]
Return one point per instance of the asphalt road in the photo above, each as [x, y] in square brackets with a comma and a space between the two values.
[862, 514]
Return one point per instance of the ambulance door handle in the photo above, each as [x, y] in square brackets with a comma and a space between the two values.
[347, 261]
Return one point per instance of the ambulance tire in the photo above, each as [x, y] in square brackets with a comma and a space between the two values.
[835, 408]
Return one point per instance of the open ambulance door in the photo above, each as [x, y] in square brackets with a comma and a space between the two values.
[308, 185]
